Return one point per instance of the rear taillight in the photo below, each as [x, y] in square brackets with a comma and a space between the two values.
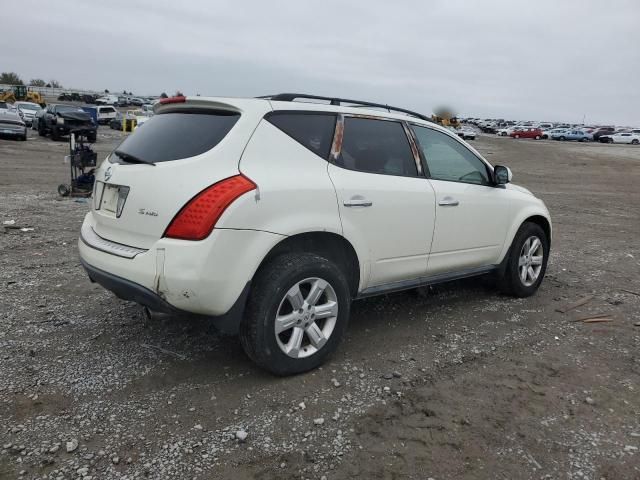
[198, 217]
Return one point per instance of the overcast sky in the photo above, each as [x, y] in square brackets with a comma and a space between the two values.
[534, 59]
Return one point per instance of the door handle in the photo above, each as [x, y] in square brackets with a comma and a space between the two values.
[448, 202]
[358, 203]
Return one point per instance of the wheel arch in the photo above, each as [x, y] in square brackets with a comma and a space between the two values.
[533, 215]
[543, 222]
[332, 246]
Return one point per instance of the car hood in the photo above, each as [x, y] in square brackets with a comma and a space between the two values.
[518, 188]
[82, 116]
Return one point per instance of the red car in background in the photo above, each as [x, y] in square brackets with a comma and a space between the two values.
[527, 132]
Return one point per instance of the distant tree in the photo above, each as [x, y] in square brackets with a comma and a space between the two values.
[37, 82]
[164, 95]
[106, 91]
[10, 78]
[179, 94]
[48, 85]
[55, 84]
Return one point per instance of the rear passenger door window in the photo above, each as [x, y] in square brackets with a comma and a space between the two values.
[448, 159]
[376, 146]
[312, 130]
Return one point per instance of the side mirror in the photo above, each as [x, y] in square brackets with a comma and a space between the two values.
[502, 175]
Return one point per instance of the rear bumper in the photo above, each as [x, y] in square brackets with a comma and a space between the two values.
[128, 290]
[15, 130]
[207, 278]
[228, 323]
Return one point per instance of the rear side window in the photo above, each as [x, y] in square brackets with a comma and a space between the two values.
[376, 146]
[177, 135]
[312, 130]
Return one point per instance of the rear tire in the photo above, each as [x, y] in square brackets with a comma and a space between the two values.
[634, 141]
[516, 282]
[562, 138]
[55, 136]
[537, 137]
[269, 299]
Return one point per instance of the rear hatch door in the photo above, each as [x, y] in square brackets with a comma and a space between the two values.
[177, 153]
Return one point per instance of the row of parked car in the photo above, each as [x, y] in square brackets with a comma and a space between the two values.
[108, 99]
[59, 120]
[561, 132]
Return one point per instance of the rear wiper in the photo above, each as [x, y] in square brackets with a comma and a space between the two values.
[127, 157]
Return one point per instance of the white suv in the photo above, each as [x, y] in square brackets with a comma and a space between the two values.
[271, 215]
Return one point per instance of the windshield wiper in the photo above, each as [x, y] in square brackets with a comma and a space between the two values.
[127, 157]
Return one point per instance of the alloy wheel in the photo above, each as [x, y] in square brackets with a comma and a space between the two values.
[306, 317]
[530, 261]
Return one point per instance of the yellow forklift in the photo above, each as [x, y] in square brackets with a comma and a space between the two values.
[22, 94]
[445, 118]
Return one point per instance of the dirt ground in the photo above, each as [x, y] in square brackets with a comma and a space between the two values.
[460, 383]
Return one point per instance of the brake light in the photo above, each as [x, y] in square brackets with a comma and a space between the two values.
[180, 99]
[196, 219]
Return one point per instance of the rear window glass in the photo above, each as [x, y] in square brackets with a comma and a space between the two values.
[314, 131]
[173, 136]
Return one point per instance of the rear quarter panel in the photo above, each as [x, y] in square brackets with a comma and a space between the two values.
[294, 194]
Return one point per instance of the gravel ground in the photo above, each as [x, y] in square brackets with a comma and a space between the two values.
[455, 382]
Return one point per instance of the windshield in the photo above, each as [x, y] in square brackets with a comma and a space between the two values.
[28, 106]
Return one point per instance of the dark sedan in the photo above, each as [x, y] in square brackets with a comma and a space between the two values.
[62, 120]
[602, 131]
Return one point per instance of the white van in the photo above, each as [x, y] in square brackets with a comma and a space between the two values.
[106, 114]
[107, 100]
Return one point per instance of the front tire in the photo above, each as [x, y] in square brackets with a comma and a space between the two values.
[526, 261]
[634, 141]
[296, 315]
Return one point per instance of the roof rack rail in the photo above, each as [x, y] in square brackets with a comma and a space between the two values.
[290, 97]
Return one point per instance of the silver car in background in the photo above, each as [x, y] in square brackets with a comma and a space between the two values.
[11, 125]
[28, 110]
